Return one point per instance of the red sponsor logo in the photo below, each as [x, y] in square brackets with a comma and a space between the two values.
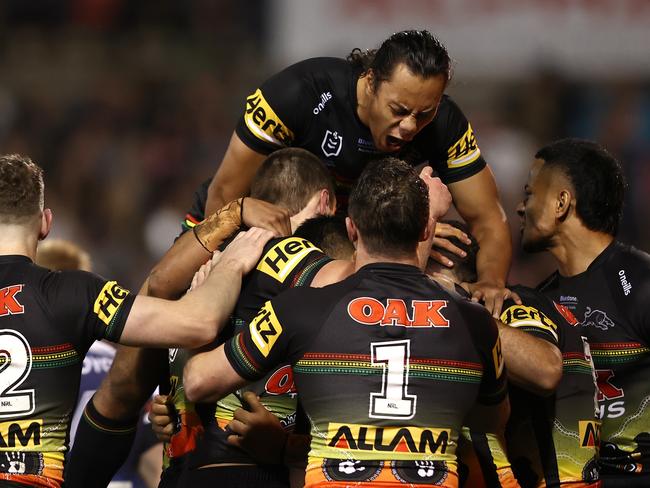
[281, 382]
[567, 314]
[422, 313]
[606, 390]
[9, 304]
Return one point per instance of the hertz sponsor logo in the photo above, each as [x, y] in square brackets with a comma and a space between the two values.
[589, 433]
[423, 313]
[464, 151]
[407, 440]
[263, 122]
[521, 316]
[109, 300]
[265, 329]
[26, 433]
[282, 258]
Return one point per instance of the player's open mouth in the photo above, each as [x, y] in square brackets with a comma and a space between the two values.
[394, 142]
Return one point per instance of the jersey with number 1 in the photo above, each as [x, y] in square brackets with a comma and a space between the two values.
[48, 320]
[387, 365]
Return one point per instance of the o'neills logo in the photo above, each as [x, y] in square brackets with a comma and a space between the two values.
[627, 286]
[324, 98]
[408, 440]
[421, 313]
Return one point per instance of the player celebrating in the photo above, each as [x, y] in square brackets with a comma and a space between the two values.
[387, 364]
[572, 207]
[389, 100]
[48, 320]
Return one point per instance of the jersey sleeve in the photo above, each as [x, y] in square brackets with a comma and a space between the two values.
[271, 117]
[485, 335]
[532, 316]
[196, 213]
[459, 156]
[96, 308]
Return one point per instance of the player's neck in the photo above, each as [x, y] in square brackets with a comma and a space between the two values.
[364, 258]
[577, 247]
[14, 240]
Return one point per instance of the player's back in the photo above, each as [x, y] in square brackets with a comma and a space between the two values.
[387, 365]
[40, 366]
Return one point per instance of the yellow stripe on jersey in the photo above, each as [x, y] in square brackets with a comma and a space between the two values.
[523, 316]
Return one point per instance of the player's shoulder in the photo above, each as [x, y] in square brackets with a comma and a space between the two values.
[626, 254]
[319, 65]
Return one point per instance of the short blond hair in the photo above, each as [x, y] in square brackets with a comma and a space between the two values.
[59, 255]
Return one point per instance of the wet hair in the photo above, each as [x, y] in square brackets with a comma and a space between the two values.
[21, 189]
[59, 254]
[464, 267]
[597, 179]
[419, 50]
[290, 177]
[390, 207]
[328, 232]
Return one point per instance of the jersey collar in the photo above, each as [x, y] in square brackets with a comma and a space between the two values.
[14, 258]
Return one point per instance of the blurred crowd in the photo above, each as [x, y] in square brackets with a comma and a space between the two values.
[128, 106]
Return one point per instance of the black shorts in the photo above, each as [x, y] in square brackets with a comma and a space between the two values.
[626, 481]
[239, 476]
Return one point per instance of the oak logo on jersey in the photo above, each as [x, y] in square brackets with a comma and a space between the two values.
[407, 440]
[25, 433]
[109, 300]
[281, 382]
[464, 151]
[265, 329]
[524, 316]
[423, 313]
[589, 433]
[9, 304]
[264, 123]
[282, 258]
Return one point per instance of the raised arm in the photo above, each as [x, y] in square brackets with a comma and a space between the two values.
[477, 201]
[234, 176]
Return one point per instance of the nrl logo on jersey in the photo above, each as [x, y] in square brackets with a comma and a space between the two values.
[332, 144]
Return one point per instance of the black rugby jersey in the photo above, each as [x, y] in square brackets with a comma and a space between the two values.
[48, 320]
[313, 105]
[552, 441]
[387, 365]
[285, 263]
[611, 299]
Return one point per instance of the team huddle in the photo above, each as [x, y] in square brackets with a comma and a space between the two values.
[317, 323]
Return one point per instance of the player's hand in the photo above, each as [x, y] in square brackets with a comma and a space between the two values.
[439, 196]
[245, 249]
[202, 273]
[491, 295]
[441, 240]
[256, 213]
[162, 417]
[258, 431]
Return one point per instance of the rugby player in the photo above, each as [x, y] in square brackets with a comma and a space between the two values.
[350, 111]
[573, 202]
[50, 319]
[552, 432]
[144, 464]
[387, 363]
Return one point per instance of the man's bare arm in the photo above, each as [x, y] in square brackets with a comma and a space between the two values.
[208, 376]
[234, 176]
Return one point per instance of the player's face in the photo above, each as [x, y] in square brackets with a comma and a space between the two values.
[537, 210]
[401, 106]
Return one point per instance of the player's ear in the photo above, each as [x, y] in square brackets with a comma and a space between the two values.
[371, 82]
[327, 203]
[46, 223]
[563, 204]
[428, 230]
[353, 233]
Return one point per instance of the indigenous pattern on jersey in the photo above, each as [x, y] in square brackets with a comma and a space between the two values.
[313, 105]
[387, 365]
[611, 302]
[552, 441]
[285, 263]
[48, 320]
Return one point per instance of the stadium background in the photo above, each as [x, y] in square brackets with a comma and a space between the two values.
[129, 105]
